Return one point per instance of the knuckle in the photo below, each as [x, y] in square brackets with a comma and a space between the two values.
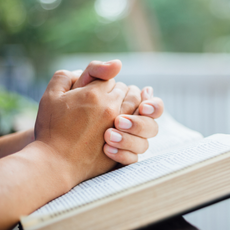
[112, 81]
[92, 95]
[134, 88]
[128, 143]
[109, 112]
[123, 85]
[127, 107]
[155, 129]
[60, 73]
[139, 126]
[160, 101]
[135, 98]
[161, 104]
[47, 97]
[119, 92]
[132, 101]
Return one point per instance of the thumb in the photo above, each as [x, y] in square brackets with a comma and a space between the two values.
[98, 70]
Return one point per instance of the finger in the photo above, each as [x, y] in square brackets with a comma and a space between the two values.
[141, 126]
[100, 70]
[118, 93]
[125, 141]
[62, 81]
[131, 101]
[122, 156]
[77, 73]
[103, 86]
[152, 108]
[146, 94]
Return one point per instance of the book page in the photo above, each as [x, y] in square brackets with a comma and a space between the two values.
[135, 174]
[171, 135]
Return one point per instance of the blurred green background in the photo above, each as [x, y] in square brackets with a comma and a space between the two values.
[33, 34]
[46, 29]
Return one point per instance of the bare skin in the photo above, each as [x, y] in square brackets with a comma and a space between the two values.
[68, 146]
[15, 142]
[65, 152]
[132, 137]
[134, 130]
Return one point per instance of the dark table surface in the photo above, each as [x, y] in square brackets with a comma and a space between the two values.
[212, 217]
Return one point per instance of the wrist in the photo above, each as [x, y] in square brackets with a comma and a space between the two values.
[29, 134]
[71, 162]
[51, 164]
[32, 177]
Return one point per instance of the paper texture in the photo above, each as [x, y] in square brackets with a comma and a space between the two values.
[138, 173]
[171, 135]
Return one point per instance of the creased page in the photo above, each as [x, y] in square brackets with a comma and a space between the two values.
[171, 135]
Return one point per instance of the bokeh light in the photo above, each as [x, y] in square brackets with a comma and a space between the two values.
[111, 9]
[50, 4]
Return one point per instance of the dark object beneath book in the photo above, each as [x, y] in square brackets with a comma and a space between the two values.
[20, 226]
[176, 223]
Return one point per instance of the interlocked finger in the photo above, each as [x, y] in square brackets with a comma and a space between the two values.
[137, 125]
[61, 81]
[131, 101]
[121, 156]
[125, 141]
[119, 92]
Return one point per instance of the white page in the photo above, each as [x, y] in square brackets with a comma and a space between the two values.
[136, 174]
[171, 135]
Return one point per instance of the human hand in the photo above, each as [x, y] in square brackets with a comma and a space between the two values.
[129, 137]
[95, 70]
[71, 124]
[68, 146]
[133, 141]
[125, 142]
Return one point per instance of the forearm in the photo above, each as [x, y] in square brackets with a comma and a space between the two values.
[15, 142]
[29, 179]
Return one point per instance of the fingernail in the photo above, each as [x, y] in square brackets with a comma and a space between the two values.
[111, 149]
[149, 91]
[124, 123]
[147, 109]
[115, 137]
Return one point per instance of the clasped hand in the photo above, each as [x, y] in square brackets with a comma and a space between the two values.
[77, 109]
[85, 124]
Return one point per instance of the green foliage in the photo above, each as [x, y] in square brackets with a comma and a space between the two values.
[72, 27]
[190, 26]
[76, 31]
[12, 104]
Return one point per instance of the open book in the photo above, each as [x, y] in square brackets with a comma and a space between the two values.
[180, 171]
